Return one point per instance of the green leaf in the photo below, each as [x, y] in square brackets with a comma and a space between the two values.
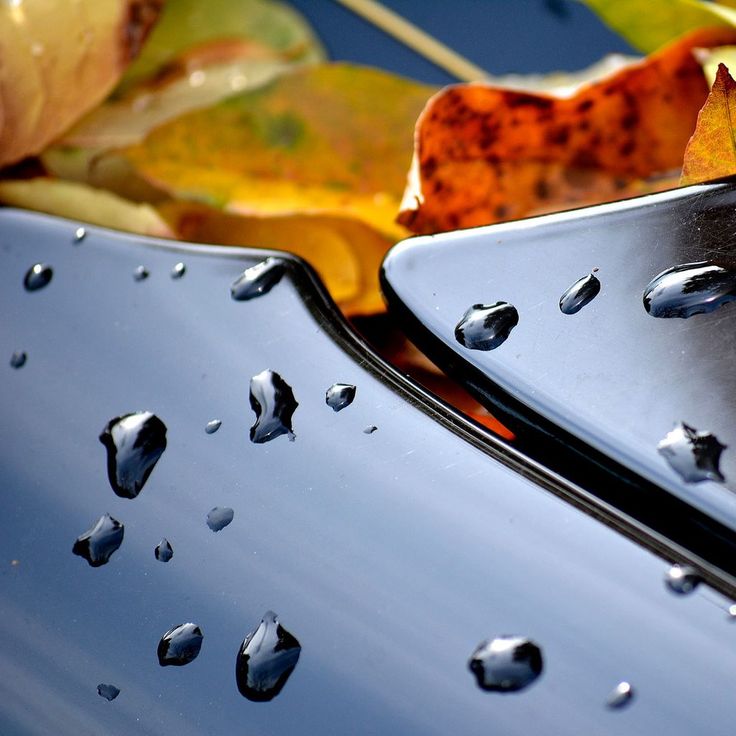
[651, 24]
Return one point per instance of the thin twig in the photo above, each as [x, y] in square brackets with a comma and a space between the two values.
[415, 38]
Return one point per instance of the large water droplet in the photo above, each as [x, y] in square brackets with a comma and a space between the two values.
[265, 660]
[486, 326]
[37, 276]
[340, 395]
[257, 280]
[694, 455]
[620, 696]
[164, 551]
[582, 292]
[180, 645]
[134, 444]
[688, 289]
[178, 271]
[682, 579]
[506, 664]
[18, 359]
[272, 399]
[98, 543]
[109, 692]
[212, 426]
[140, 273]
[370, 429]
[79, 235]
[219, 518]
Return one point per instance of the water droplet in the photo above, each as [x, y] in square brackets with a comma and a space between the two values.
[197, 78]
[582, 292]
[257, 280]
[180, 645]
[340, 395]
[506, 664]
[620, 696]
[134, 443]
[109, 692]
[219, 518]
[178, 271]
[140, 273]
[164, 551]
[732, 612]
[682, 579]
[694, 455]
[37, 276]
[98, 543]
[370, 429]
[79, 235]
[688, 289]
[265, 660]
[18, 359]
[486, 326]
[272, 399]
[37, 49]
[212, 426]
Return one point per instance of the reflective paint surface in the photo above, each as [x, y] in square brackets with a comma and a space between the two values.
[389, 557]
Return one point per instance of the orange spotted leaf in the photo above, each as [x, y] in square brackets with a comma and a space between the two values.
[484, 154]
[711, 152]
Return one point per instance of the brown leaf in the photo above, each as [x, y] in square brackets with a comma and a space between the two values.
[484, 154]
[58, 61]
[711, 152]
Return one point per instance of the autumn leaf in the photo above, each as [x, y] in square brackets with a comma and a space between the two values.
[188, 24]
[59, 60]
[84, 204]
[650, 25]
[485, 154]
[330, 139]
[711, 152]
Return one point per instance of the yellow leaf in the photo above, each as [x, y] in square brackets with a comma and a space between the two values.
[331, 139]
[83, 204]
[59, 60]
[711, 152]
[345, 253]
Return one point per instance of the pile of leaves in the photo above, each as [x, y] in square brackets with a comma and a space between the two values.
[221, 121]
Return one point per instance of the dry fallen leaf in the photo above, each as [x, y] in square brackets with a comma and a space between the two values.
[59, 60]
[485, 155]
[711, 152]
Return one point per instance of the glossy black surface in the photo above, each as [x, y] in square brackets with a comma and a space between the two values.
[598, 391]
[389, 556]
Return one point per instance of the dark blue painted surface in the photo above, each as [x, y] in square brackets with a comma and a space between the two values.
[389, 556]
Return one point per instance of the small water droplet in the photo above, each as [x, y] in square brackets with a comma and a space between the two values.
[732, 612]
[689, 289]
[620, 696]
[178, 271]
[219, 518]
[197, 78]
[506, 664]
[140, 273]
[180, 645]
[164, 551]
[682, 579]
[370, 429]
[18, 359]
[340, 395]
[134, 443]
[37, 276]
[212, 426]
[273, 402]
[486, 326]
[582, 292]
[109, 692]
[257, 280]
[694, 455]
[266, 658]
[79, 235]
[97, 544]
[37, 50]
